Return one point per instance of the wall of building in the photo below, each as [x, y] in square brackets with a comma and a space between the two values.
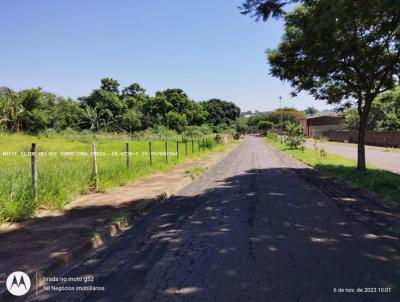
[315, 126]
[385, 139]
[318, 131]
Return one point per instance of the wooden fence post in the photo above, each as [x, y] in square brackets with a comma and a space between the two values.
[192, 146]
[186, 148]
[151, 159]
[203, 144]
[34, 171]
[166, 152]
[198, 144]
[177, 150]
[95, 179]
[128, 157]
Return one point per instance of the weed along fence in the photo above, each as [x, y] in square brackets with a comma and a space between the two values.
[50, 172]
[165, 156]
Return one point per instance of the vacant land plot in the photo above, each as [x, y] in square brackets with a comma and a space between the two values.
[64, 166]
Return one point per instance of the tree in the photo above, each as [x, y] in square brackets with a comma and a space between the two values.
[10, 111]
[132, 120]
[99, 119]
[294, 135]
[342, 52]
[221, 112]
[241, 125]
[68, 114]
[197, 114]
[35, 121]
[265, 126]
[38, 109]
[282, 116]
[155, 109]
[176, 121]
[109, 85]
[104, 100]
[384, 115]
[177, 98]
[133, 90]
[310, 111]
[253, 121]
[36, 99]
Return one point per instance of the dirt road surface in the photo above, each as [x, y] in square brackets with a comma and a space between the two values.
[251, 229]
[376, 156]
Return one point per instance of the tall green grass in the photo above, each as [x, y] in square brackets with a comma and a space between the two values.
[61, 178]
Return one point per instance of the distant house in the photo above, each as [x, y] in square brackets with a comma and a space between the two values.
[315, 126]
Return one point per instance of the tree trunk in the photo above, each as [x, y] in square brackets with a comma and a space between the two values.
[363, 114]
[361, 147]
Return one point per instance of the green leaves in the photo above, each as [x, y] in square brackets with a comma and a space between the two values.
[265, 126]
[105, 109]
[294, 135]
[221, 112]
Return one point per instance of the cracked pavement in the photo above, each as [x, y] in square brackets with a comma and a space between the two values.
[250, 229]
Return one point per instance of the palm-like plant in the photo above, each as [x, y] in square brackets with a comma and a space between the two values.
[10, 112]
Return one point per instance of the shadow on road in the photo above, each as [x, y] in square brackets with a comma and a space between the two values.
[264, 234]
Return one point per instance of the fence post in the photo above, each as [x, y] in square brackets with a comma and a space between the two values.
[95, 179]
[177, 150]
[186, 148]
[166, 152]
[203, 144]
[34, 171]
[192, 146]
[128, 157]
[151, 159]
[198, 144]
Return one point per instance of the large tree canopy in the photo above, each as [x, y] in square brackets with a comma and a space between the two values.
[384, 116]
[285, 115]
[221, 112]
[340, 51]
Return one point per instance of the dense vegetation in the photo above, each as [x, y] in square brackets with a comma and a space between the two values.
[111, 109]
[278, 119]
[384, 116]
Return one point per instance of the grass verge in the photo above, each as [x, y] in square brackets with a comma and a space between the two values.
[383, 183]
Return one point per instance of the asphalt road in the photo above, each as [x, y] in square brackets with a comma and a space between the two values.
[250, 229]
[378, 157]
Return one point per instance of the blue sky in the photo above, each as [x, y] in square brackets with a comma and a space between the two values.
[207, 48]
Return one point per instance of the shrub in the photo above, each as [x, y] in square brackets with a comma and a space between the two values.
[294, 136]
[209, 143]
[265, 126]
[193, 131]
[50, 132]
[69, 132]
